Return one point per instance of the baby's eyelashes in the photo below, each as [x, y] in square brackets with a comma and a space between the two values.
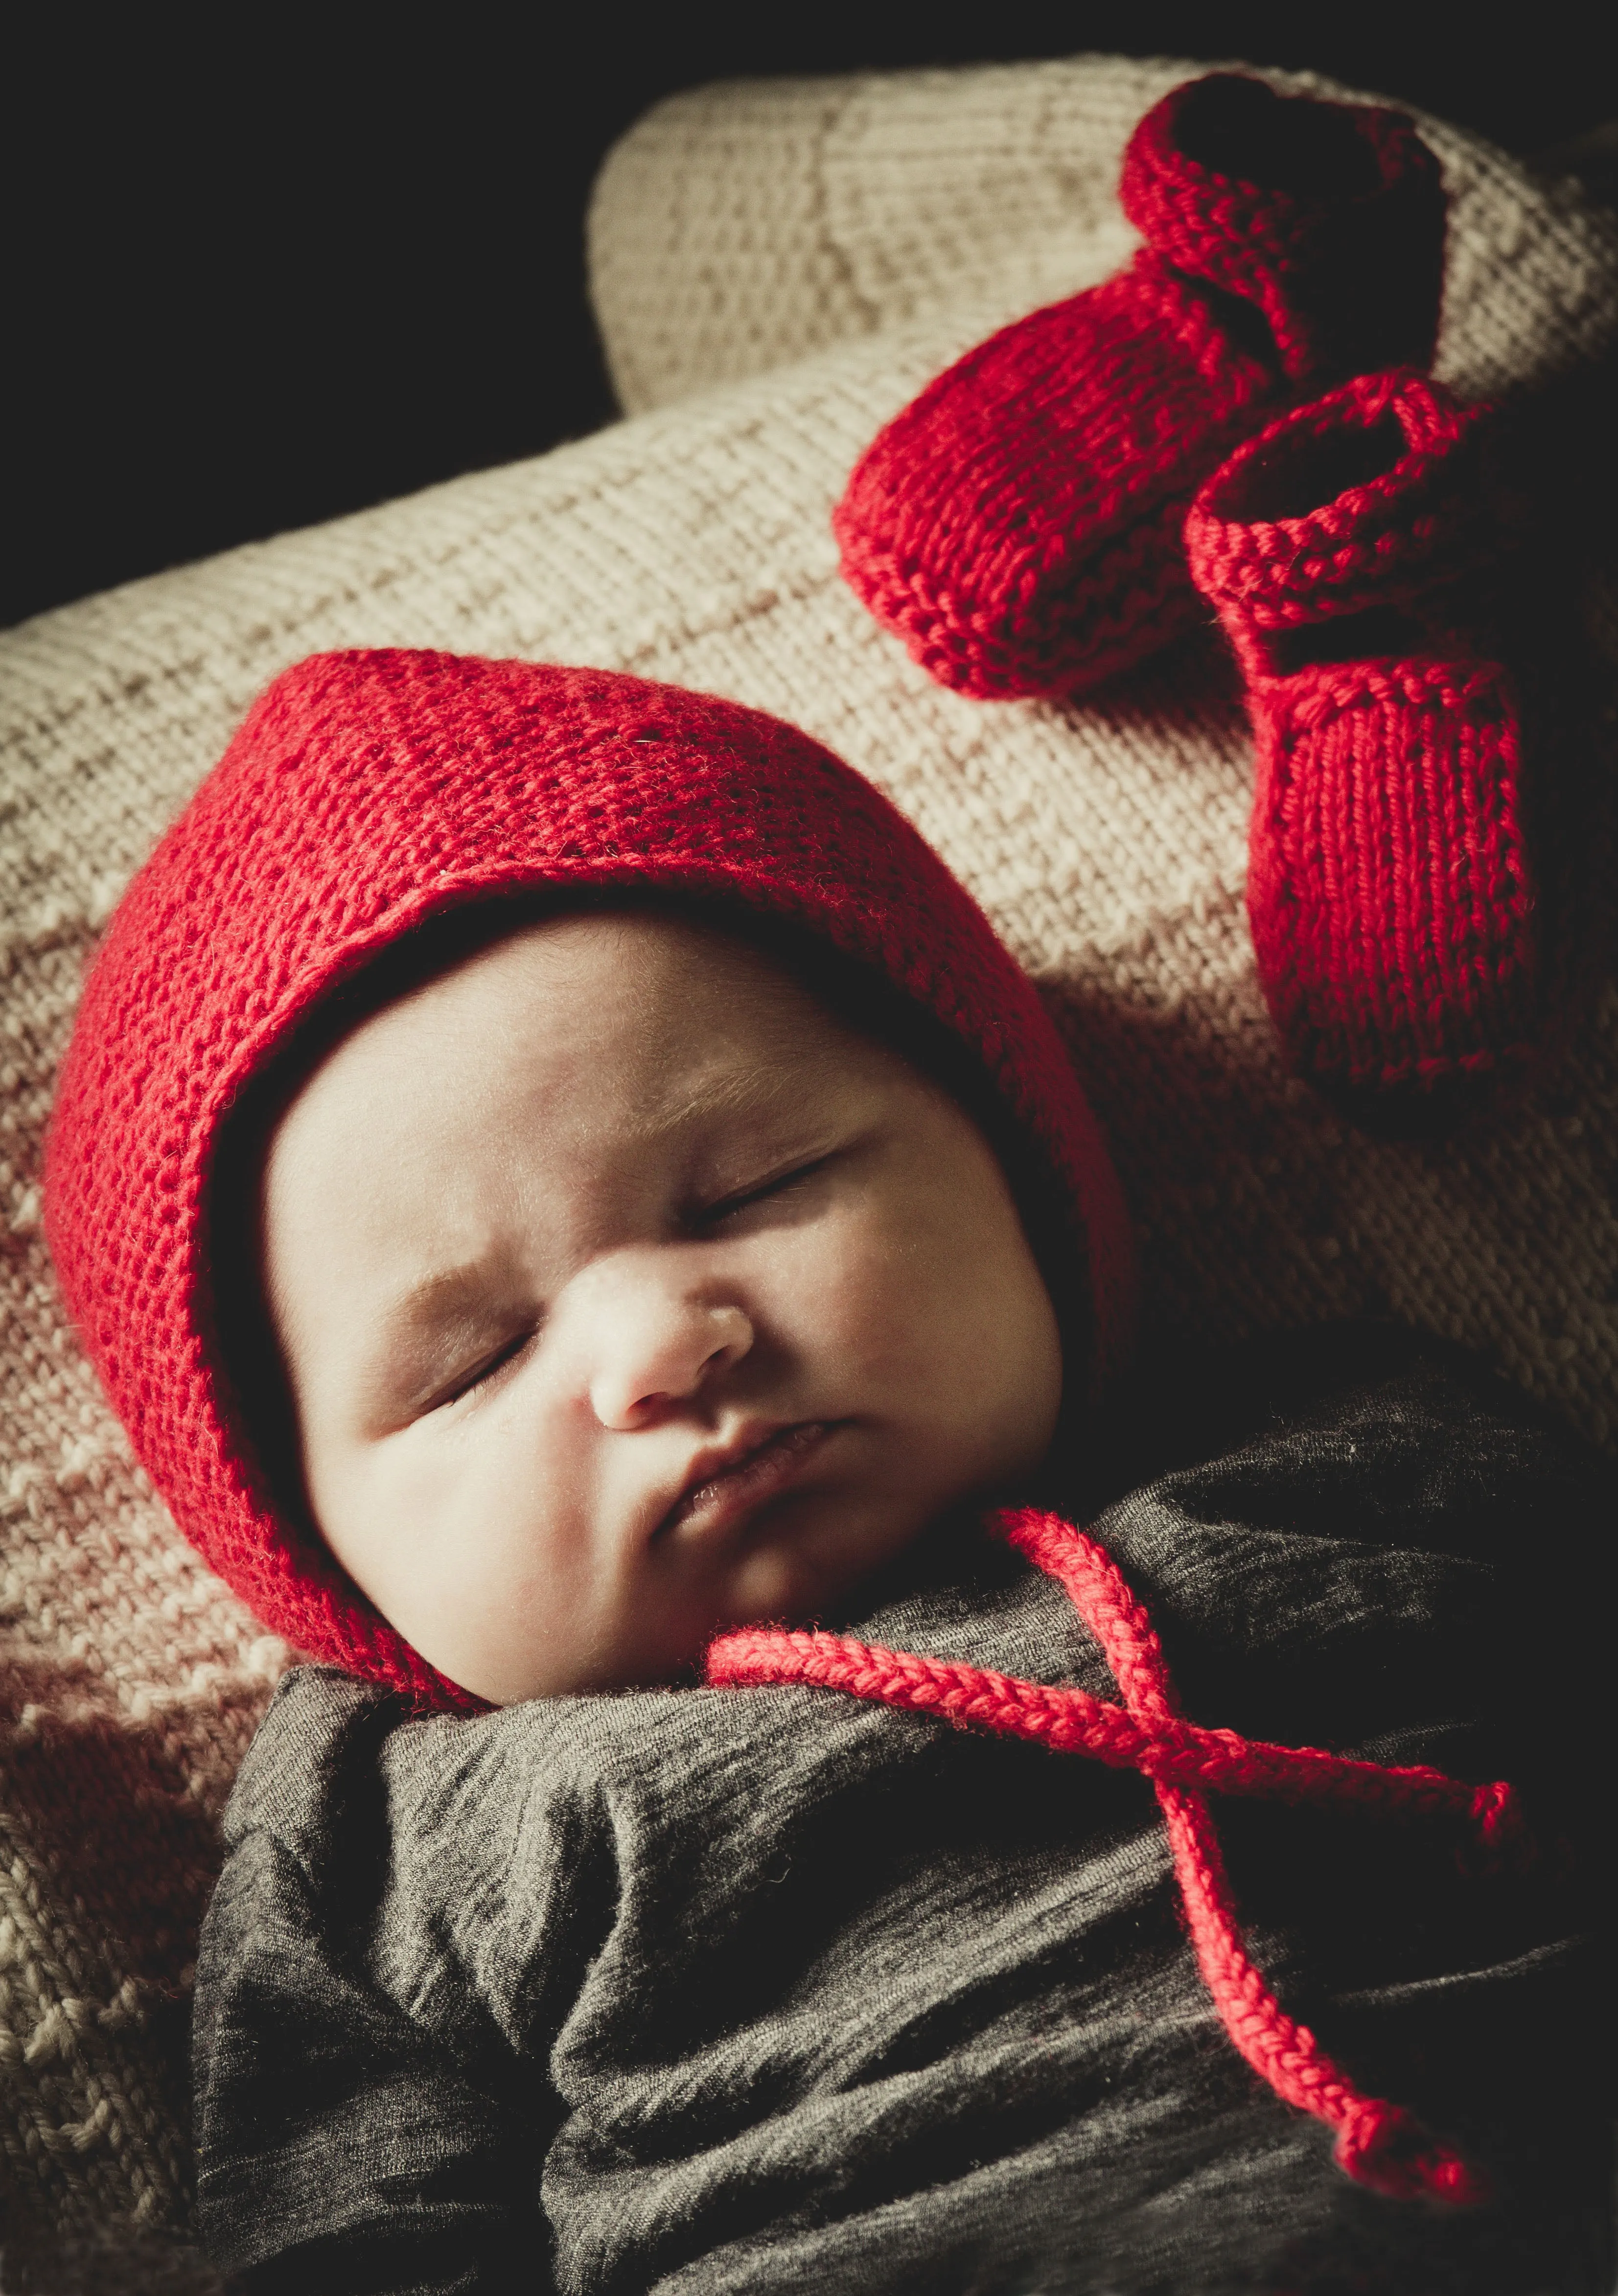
[470, 1373]
[778, 1185]
[482, 1372]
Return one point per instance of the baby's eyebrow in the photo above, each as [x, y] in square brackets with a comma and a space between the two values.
[459, 1293]
[739, 1091]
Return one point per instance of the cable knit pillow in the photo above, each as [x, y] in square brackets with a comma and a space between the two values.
[777, 269]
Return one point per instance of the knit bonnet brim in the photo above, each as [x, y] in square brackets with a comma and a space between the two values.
[367, 793]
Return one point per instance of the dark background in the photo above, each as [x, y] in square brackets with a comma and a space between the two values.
[267, 268]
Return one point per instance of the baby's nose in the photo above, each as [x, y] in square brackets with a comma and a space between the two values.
[655, 1346]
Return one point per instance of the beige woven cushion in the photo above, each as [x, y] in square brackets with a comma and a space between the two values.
[868, 230]
[744, 225]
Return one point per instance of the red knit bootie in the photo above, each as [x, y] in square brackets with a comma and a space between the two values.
[1019, 524]
[1348, 551]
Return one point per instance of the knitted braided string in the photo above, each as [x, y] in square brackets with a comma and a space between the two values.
[1380, 2144]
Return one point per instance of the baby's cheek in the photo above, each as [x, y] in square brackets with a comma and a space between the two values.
[857, 1287]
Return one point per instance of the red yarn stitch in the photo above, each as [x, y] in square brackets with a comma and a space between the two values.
[1018, 525]
[1394, 908]
[1380, 2144]
[366, 792]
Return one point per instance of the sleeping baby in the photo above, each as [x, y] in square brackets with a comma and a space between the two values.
[811, 1773]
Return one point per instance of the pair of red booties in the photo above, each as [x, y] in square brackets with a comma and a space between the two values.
[1045, 514]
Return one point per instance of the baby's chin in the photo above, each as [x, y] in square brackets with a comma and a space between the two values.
[794, 1580]
[776, 1585]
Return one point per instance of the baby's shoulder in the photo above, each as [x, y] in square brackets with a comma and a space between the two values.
[1340, 1523]
[1369, 1431]
[367, 1796]
[315, 1758]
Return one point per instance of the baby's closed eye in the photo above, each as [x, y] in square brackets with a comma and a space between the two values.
[479, 1374]
[774, 1190]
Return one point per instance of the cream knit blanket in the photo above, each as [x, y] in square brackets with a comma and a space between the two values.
[777, 267]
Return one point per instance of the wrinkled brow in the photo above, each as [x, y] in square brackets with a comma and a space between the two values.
[750, 1088]
[457, 1298]
[446, 1295]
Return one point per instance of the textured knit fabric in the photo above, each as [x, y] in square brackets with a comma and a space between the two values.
[1018, 525]
[1395, 904]
[366, 794]
[741, 227]
[871, 229]
[766, 1989]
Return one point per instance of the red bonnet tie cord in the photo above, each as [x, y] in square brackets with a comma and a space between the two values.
[1381, 2144]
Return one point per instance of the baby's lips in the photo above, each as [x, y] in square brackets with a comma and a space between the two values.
[721, 1496]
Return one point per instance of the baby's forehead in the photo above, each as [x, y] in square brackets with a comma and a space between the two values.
[640, 1018]
[633, 980]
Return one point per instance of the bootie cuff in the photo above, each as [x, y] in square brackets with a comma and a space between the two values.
[1327, 220]
[1363, 499]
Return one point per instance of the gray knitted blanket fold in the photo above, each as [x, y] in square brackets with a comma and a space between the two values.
[713, 1990]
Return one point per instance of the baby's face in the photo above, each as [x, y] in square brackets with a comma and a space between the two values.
[625, 1295]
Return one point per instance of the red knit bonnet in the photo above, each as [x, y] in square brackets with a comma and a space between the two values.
[365, 794]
